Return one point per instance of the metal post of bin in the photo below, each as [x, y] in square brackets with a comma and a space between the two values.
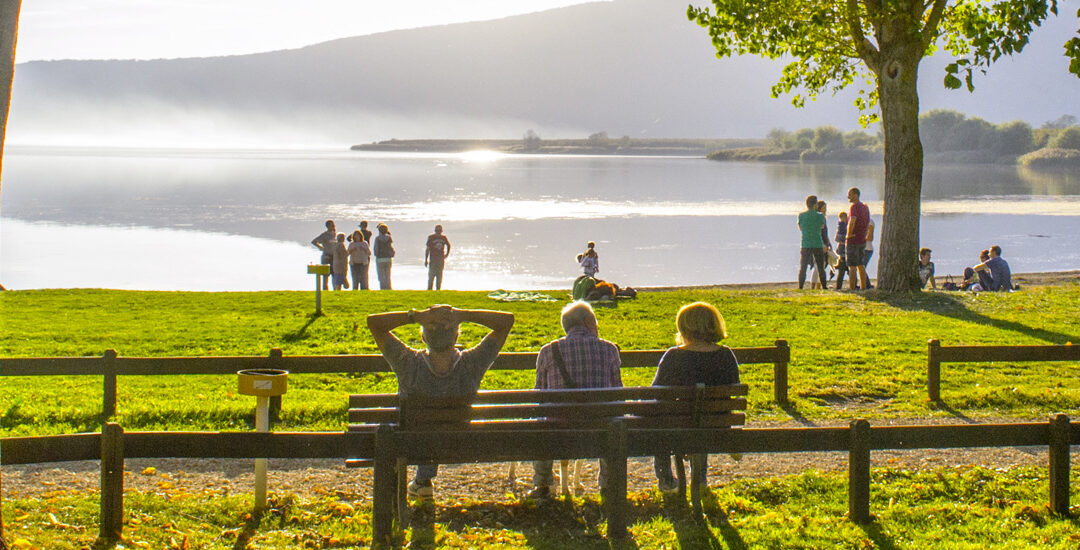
[263, 384]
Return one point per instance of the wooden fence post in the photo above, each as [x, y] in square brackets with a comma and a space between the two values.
[112, 481]
[275, 400]
[384, 492]
[780, 375]
[1059, 464]
[615, 454]
[108, 369]
[933, 370]
[859, 472]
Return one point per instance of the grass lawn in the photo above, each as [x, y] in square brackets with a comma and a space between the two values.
[852, 354]
[971, 508]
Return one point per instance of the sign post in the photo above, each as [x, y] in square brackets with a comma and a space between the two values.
[320, 270]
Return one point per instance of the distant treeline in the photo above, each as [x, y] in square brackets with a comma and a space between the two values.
[596, 144]
[947, 136]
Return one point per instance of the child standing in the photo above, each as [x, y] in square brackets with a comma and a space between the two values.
[590, 261]
[340, 263]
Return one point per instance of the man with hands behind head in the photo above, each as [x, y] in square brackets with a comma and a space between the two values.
[440, 370]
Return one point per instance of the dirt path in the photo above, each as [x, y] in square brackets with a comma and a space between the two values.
[483, 481]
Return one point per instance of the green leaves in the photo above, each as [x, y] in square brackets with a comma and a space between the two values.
[818, 36]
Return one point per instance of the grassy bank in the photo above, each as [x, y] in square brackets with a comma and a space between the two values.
[969, 508]
[852, 354]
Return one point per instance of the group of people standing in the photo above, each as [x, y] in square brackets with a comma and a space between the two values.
[579, 360]
[854, 242]
[355, 257]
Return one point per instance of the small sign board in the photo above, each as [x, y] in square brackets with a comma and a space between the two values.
[318, 269]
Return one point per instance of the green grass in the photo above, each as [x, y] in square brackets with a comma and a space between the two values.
[972, 508]
[852, 354]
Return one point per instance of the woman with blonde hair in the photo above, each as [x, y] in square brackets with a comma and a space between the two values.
[698, 358]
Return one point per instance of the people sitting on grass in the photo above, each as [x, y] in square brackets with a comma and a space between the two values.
[580, 360]
[697, 358]
[998, 269]
[926, 269]
[441, 369]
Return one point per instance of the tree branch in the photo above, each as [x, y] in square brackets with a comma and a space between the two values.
[929, 32]
[866, 51]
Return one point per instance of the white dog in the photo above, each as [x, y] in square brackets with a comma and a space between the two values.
[564, 477]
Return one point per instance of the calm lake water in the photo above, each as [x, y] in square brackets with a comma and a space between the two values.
[242, 220]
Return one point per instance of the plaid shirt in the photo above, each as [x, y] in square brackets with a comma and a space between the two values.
[590, 361]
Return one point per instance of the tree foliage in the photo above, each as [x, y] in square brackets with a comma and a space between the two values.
[1069, 138]
[835, 43]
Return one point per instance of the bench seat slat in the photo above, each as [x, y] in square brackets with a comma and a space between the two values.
[566, 396]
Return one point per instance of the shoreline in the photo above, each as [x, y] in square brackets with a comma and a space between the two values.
[1025, 280]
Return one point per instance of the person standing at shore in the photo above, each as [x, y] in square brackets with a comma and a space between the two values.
[858, 219]
[435, 252]
[869, 253]
[590, 260]
[359, 260]
[811, 224]
[325, 243]
[827, 245]
[339, 265]
[383, 248]
[841, 249]
[365, 231]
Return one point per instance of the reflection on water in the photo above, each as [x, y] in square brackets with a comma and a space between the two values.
[515, 221]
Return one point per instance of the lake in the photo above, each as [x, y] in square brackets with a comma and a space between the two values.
[243, 220]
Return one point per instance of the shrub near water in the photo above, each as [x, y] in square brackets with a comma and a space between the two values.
[852, 354]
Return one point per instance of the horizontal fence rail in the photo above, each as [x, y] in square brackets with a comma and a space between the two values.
[113, 445]
[110, 365]
[309, 364]
[936, 354]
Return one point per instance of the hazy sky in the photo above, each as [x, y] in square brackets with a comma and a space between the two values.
[147, 29]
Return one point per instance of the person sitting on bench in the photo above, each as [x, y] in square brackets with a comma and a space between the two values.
[580, 360]
[439, 370]
[696, 359]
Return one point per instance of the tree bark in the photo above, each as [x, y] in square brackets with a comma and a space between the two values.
[9, 30]
[899, 99]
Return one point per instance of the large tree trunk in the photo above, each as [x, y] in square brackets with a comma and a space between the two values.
[9, 25]
[9, 29]
[899, 99]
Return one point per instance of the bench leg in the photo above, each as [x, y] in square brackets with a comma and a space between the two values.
[402, 511]
[614, 489]
[698, 463]
[384, 492]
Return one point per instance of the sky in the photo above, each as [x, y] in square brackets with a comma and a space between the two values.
[150, 29]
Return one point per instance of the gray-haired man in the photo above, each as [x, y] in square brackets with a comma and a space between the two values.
[587, 362]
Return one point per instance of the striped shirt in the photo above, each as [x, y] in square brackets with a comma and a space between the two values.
[590, 362]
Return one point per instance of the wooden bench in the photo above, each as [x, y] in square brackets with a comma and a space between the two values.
[502, 426]
[936, 354]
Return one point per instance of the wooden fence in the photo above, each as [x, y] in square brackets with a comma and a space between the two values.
[858, 439]
[110, 365]
[936, 354]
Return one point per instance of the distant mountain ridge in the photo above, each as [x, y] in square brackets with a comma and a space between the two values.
[628, 67]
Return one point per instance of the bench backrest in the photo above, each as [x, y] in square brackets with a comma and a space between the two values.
[640, 407]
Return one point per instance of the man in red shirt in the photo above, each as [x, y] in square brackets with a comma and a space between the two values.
[858, 218]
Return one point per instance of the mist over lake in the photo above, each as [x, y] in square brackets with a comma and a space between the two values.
[242, 220]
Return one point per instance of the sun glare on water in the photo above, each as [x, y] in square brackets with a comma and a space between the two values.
[481, 156]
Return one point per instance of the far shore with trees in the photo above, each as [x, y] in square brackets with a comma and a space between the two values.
[947, 137]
